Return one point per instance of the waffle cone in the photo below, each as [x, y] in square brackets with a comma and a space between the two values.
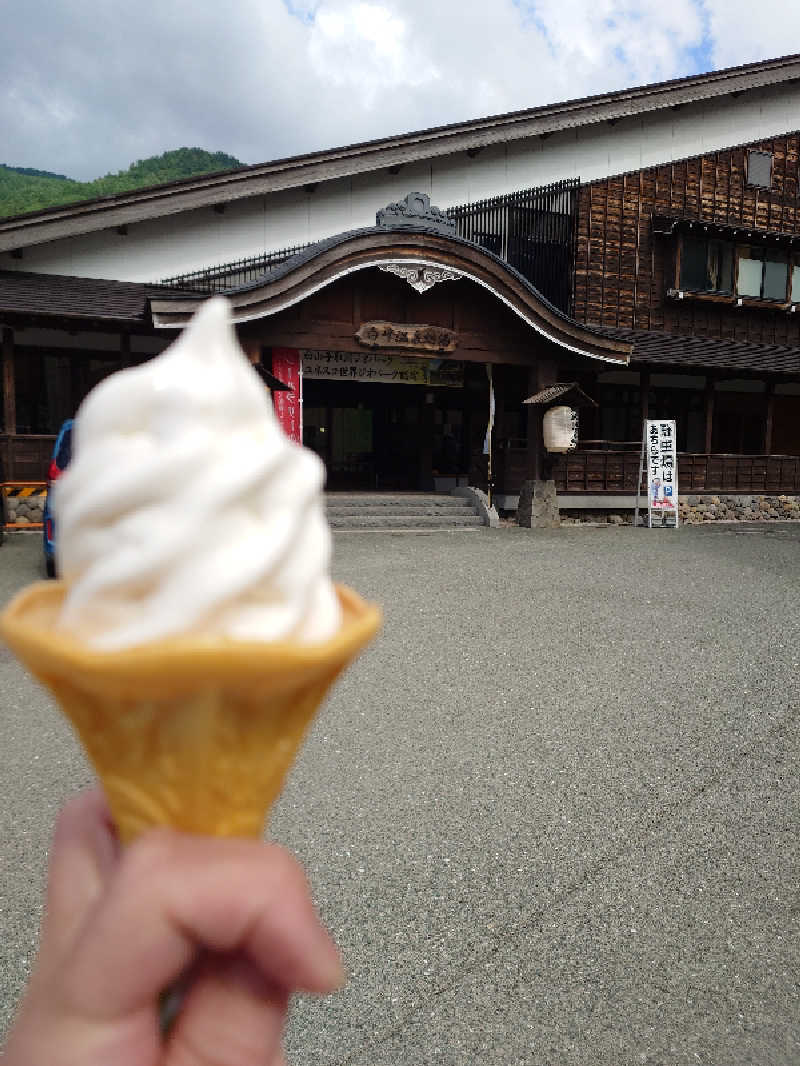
[193, 733]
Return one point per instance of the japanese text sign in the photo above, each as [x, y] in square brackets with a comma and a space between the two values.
[288, 405]
[380, 367]
[661, 458]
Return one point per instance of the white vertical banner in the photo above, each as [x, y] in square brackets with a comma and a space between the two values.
[661, 456]
[487, 444]
[487, 441]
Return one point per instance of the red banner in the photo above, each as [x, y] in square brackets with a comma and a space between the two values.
[288, 405]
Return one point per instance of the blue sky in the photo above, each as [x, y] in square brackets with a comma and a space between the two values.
[88, 88]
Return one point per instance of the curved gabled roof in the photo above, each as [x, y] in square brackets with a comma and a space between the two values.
[401, 250]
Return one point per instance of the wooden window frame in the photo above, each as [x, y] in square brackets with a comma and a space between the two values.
[734, 298]
[767, 301]
[717, 293]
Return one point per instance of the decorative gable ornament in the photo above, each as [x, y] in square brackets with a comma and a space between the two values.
[418, 275]
[415, 211]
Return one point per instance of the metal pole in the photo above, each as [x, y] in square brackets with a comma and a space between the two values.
[639, 481]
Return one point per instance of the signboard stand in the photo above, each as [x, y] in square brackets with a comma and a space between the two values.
[659, 453]
[639, 479]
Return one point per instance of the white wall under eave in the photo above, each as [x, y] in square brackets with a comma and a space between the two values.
[194, 240]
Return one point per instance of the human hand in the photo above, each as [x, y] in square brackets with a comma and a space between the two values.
[233, 918]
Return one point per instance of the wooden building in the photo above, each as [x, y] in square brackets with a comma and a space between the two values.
[667, 289]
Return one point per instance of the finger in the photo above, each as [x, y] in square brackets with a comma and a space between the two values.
[82, 856]
[174, 895]
[231, 1016]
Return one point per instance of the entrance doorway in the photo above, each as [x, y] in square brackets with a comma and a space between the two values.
[384, 438]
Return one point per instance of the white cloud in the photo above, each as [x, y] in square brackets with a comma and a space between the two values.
[366, 46]
[89, 87]
[743, 32]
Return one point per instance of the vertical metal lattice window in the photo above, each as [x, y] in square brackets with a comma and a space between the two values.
[759, 169]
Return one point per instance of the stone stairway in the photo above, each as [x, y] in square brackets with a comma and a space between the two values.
[408, 511]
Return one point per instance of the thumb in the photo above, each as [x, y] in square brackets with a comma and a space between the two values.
[231, 1016]
[83, 853]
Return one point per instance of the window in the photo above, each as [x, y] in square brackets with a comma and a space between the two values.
[759, 169]
[714, 266]
[706, 265]
[762, 274]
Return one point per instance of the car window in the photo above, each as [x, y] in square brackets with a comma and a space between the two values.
[64, 454]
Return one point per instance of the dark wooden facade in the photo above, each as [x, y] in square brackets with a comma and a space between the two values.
[632, 230]
[486, 331]
[623, 270]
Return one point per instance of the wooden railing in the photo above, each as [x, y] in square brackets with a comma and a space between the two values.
[25, 457]
[616, 472]
[592, 472]
[760, 474]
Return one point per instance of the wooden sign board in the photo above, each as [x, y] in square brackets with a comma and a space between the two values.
[407, 335]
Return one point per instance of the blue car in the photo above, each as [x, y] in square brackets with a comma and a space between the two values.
[62, 453]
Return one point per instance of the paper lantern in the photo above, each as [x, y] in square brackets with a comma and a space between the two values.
[561, 429]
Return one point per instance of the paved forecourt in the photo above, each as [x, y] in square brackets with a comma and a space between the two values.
[551, 815]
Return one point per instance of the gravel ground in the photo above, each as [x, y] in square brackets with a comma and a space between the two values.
[551, 815]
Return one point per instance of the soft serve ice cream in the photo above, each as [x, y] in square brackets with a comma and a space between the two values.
[186, 510]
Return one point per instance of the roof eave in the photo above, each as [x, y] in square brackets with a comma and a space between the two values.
[227, 186]
[334, 259]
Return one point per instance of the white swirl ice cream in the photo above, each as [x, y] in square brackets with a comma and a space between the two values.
[186, 510]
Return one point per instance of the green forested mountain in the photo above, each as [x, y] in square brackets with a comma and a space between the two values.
[25, 189]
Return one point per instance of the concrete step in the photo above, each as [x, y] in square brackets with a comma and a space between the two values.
[411, 511]
[338, 510]
[405, 521]
[413, 503]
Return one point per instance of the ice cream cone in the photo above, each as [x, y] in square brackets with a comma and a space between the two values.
[196, 733]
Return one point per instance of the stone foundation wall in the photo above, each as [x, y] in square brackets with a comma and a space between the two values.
[716, 508]
[24, 510]
[694, 509]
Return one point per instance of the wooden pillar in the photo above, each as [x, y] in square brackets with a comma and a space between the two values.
[498, 434]
[769, 419]
[533, 429]
[9, 385]
[539, 377]
[427, 422]
[547, 375]
[644, 398]
[709, 413]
